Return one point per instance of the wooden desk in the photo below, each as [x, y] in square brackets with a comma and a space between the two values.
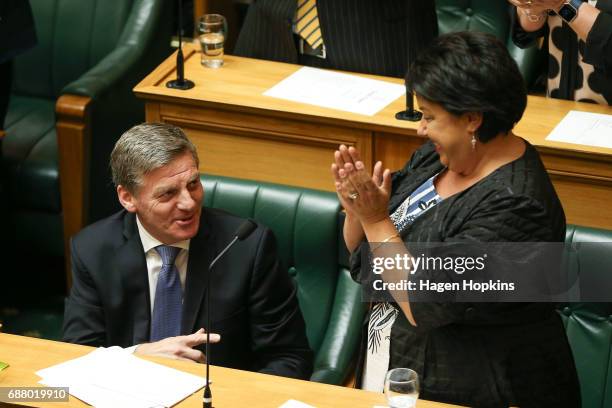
[241, 133]
[231, 388]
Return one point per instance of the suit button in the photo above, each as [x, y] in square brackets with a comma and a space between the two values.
[567, 311]
[469, 11]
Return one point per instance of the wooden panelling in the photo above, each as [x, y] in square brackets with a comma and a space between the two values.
[261, 148]
[584, 202]
[394, 150]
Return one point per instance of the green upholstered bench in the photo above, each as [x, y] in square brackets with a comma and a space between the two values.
[308, 227]
[589, 325]
[307, 224]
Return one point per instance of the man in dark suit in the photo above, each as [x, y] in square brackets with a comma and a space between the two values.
[369, 36]
[139, 276]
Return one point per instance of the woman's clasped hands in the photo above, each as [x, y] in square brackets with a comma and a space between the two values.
[363, 195]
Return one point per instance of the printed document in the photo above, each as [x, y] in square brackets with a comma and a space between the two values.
[337, 90]
[113, 377]
[585, 128]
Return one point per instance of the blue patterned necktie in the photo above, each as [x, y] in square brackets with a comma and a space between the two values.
[168, 303]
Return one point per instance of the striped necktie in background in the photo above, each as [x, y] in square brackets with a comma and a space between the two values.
[307, 23]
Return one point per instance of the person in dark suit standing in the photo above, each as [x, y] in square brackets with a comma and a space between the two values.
[17, 35]
[368, 36]
[139, 276]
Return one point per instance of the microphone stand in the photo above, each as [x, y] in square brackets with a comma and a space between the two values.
[207, 392]
[410, 113]
[180, 82]
[243, 232]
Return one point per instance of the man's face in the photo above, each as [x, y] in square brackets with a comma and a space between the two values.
[169, 201]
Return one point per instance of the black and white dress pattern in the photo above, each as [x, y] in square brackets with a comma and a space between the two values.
[383, 315]
[577, 70]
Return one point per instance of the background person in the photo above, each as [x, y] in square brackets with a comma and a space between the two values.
[369, 36]
[474, 181]
[580, 45]
[17, 35]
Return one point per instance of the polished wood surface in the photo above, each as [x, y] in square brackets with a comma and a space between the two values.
[242, 133]
[231, 388]
[73, 128]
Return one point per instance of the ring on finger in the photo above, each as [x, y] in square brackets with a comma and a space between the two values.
[353, 195]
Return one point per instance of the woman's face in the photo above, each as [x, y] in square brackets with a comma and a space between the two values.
[451, 134]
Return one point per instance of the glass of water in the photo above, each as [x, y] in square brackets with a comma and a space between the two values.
[213, 31]
[401, 388]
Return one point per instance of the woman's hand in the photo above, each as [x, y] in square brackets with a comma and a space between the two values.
[342, 157]
[364, 196]
[538, 6]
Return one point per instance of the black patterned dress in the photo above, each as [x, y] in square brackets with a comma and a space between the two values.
[481, 354]
[577, 70]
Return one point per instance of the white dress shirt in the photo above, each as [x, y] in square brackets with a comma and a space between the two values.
[154, 261]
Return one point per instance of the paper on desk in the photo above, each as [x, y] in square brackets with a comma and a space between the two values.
[337, 91]
[293, 404]
[585, 128]
[113, 377]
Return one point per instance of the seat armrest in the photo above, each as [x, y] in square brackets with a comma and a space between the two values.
[343, 334]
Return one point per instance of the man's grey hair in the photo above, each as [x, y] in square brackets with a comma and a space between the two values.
[144, 148]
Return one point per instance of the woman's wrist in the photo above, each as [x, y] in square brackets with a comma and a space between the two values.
[378, 230]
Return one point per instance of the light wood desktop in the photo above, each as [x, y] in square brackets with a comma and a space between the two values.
[239, 132]
[231, 388]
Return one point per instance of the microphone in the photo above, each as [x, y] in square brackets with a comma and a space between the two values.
[410, 113]
[180, 82]
[245, 229]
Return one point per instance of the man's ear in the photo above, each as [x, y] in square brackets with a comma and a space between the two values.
[474, 121]
[126, 199]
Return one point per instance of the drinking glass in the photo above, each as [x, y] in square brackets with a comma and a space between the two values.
[213, 31]
[401, 388]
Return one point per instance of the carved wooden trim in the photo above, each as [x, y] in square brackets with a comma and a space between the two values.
[74, 143]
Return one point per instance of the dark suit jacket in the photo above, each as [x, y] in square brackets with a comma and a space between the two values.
[254, 304]
[370, 36]
[17, 32]
[484, 354]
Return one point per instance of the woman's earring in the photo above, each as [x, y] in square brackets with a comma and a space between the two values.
[473, 142]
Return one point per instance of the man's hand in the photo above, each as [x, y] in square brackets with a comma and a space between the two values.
[179, 347]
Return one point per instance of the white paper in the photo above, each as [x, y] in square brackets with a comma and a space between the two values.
[585, 128]
[294, 404]
[113, 377]
[336, 90]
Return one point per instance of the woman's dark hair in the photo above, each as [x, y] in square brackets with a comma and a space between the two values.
[471, 72]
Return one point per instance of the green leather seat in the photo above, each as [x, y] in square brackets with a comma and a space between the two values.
[98, 50]
[308, 228]
[490, 16]
[589, 325]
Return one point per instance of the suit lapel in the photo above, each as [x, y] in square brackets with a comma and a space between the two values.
[131, 265]
[202, 250]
